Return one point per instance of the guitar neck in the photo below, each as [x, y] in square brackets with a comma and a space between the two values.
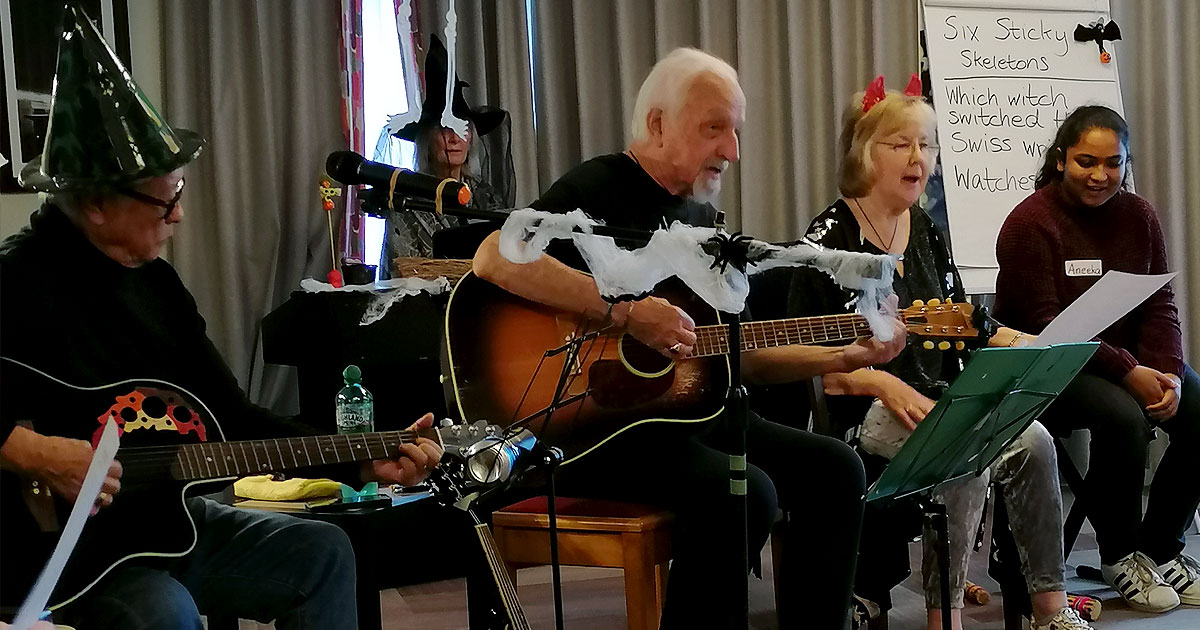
[212, 460]
[515, 615]
[714, 340]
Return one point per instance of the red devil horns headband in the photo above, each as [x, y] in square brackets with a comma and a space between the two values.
[875, 92]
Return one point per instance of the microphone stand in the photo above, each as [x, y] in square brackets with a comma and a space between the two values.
[547, 459]
[726, 250]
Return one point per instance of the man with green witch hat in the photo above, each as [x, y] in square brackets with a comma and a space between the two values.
[86, 301]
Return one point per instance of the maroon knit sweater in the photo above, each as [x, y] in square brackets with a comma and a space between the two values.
[1046, 231]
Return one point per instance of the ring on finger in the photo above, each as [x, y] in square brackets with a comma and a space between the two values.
[676, 347]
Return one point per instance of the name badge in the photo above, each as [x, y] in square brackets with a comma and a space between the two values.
[1084, 268]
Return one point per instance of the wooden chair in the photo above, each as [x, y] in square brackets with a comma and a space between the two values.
[594, 533]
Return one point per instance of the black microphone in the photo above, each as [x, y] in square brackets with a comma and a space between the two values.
[353, 169]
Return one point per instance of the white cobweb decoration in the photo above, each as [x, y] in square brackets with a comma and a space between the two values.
[388, 292]
[677, 251]
[408, 57]
[449, 120]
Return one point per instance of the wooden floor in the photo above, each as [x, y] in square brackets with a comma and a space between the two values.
[594, 600]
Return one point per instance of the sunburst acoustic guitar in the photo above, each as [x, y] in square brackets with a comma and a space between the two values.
[503, 357]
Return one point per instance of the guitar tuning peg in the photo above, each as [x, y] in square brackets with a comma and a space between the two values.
[934, 302]
[918, 303]
[958, 345]
[943, 345]
[949, 301]
[928, 345]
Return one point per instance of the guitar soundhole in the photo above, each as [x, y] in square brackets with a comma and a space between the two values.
[641, 359]
[154, 407]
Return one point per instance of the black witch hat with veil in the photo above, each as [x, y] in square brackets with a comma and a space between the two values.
[488, 171]
[490, 166]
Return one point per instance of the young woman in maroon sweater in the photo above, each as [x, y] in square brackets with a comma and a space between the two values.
[1080, 222]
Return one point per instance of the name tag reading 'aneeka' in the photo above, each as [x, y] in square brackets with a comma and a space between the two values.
[1084, 268]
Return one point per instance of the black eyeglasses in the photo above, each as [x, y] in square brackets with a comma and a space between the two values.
[169, 206]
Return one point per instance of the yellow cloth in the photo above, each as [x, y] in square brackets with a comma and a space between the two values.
[263, 488]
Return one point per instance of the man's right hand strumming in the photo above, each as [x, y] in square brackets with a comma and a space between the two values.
[658, 324]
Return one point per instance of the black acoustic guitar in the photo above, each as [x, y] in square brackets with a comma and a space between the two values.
[148, 520]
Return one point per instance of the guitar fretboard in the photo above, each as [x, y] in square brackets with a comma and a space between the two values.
[210, 460]
[714, 340]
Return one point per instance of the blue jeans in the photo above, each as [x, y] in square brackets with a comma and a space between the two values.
[247, 563]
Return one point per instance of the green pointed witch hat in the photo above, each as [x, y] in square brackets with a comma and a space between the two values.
[103, 130]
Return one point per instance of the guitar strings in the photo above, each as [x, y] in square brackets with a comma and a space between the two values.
[507, 586]
[718, 334]
[565, 376]
[794, 330]
[529, 385]
[405, 437]
[591, 346]
[515, 425]
[228, 456]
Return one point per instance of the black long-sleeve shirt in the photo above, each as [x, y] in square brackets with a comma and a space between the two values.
[71, 311]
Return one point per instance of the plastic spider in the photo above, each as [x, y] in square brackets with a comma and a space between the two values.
[729, 249]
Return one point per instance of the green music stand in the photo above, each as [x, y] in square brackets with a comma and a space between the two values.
[998, 395]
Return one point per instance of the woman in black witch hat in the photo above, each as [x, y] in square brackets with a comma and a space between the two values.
[442, 153]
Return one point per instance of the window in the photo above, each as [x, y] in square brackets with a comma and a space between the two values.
[383, 96]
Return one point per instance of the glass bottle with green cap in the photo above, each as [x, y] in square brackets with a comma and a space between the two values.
[354, 406]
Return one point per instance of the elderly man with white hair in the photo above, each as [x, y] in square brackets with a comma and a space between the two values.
[685, 126]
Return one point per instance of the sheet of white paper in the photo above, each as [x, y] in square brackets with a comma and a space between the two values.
[39, 596]
[1108, 300]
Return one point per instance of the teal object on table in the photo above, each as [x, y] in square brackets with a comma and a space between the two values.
[369, 492]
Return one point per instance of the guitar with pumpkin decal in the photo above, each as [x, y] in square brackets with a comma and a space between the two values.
[171, 443]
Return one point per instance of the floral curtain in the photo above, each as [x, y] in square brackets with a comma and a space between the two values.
[351, 244]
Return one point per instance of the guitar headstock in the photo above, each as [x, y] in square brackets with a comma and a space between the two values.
[449, 483]
[458, 437]
[944, 320]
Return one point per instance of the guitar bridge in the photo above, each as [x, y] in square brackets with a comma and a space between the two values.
[576, 368]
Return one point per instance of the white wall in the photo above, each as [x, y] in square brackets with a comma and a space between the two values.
[145, 49]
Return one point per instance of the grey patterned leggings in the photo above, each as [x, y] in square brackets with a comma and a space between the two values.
[1027, 473]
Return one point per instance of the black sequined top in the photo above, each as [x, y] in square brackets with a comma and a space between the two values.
[929, 272]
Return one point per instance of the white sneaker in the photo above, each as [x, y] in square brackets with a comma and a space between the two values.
[1183, 575]
[1066, 619]
[1139, 584]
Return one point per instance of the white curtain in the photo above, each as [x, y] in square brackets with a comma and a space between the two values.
[261, 80]
[1159, 62]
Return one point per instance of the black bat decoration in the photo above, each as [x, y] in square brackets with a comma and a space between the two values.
[1099, 32]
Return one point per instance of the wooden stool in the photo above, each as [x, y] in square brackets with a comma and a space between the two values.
[594, 533]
